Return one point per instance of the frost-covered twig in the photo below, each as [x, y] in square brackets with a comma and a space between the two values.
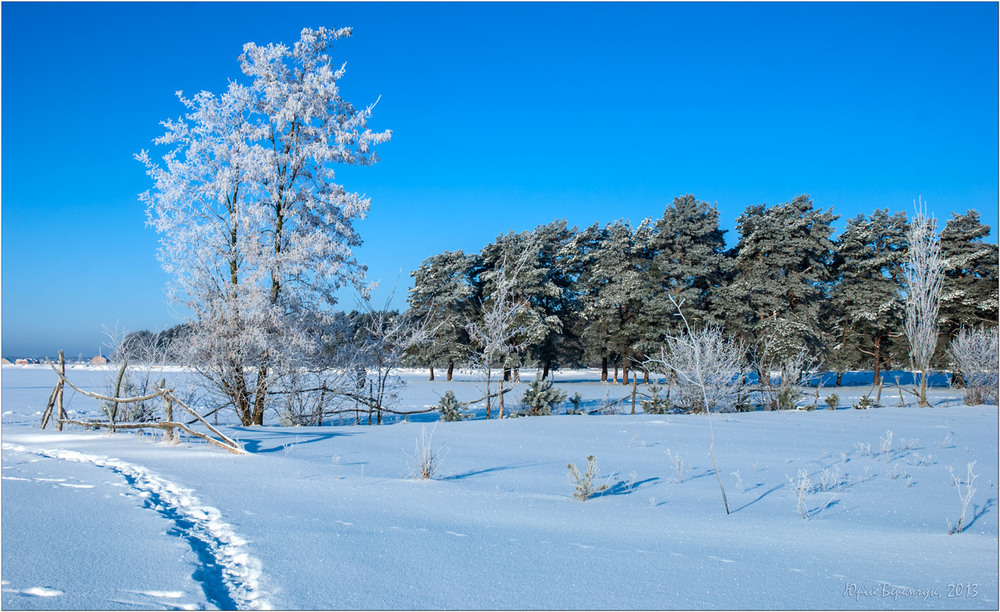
[964, 496]
[585, 487]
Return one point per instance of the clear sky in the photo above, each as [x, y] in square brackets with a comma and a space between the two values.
[504, 116]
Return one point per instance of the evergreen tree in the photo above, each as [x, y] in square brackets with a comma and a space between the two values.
[442, 292]
[866, 306]
[557, 304]
[688, 264]
[781, 269]
[969, 298]
[620, 277]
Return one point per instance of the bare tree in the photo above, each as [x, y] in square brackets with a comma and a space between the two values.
[503, 328]
[924, 278]
[974, 354]
[708, 367]
[784, 393]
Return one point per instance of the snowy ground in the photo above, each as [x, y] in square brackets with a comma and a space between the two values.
[327, 517]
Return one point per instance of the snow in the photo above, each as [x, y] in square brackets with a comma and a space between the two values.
[328, 517]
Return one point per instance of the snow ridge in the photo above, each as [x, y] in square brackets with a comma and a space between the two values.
[230, 576]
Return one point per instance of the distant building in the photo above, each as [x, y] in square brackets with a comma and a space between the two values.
[99, 360]
[26, 361]
[5, 361]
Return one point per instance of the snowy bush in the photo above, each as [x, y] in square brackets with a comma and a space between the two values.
[707, 366]
[975, 354]
[655, 403]
[801, 485]
[541, 397]
[832, 401]
[864, 403]
[427, 458]
[585, 487]
[576, 401]
[450, 408]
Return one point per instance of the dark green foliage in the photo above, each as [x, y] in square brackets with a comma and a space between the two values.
[442, 292]
[969, 297]
[866, 303]
[781, 271]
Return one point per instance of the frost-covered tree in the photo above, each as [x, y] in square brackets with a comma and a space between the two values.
[255, 231]
[557, 304]
[866, 302]
[620, 284]
[689, 261]
[781, 272]
[924, 283]
[504, 322]
[969, 294]
[975, 354]
[443, 294]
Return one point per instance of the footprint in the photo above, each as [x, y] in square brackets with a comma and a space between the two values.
[456, 534]
[42, 592]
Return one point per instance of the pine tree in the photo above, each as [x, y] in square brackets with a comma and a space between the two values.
[442, 293]
[688, 264]
[866, 304]
[781, 270]
[620, 284]
[558, 303]
[969, 298]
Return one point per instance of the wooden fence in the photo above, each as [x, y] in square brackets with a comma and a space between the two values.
[160, 391]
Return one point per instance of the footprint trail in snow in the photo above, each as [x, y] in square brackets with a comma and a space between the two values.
[230, 576]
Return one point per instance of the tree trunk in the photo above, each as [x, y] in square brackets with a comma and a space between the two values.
[501, 400]
[614, 378]
[487, 394]
[625, 372]
[545, 369]
[261, 396]
[431, 367]
[515, 375]
[839, 376]
[506, 374]
[645, 377]
[604, 369]
[451, 369]
[877, 353]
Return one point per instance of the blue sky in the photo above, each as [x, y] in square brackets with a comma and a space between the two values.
[504, 116]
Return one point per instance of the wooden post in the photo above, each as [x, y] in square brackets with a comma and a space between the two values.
[113, 408]
[168, 407]
[634, 382]
[50, 405]
[61, 411]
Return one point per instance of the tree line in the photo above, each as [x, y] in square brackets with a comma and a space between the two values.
[604, 295]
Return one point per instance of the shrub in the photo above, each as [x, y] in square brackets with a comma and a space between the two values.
[427, 459]
[974, 355]
[450, 408]
[576, 401]
[832, 401]
[656, 404]
[541, 397]
[585, 487]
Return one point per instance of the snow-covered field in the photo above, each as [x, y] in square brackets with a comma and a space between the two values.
[328, 517]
